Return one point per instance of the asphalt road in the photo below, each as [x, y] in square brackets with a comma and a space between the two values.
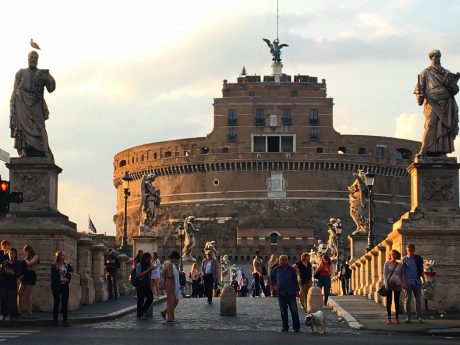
[96, 336]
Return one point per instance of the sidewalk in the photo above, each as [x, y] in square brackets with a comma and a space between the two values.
[97, 312]
[362, 313]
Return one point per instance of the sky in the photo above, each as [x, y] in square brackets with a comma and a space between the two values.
[130, 73]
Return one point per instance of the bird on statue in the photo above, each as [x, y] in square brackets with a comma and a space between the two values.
[33, 44]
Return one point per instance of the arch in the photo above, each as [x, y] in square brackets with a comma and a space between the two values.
[274, 237]
[402, 153]
[122, 163]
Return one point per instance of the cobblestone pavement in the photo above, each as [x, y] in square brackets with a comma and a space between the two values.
[253, 314]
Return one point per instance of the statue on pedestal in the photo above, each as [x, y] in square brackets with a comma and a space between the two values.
[275, 49]
[435, 90]
[332, 241]
[150, 201]
[28, 110]
[190, 238]
[358, 202]
[225, 270]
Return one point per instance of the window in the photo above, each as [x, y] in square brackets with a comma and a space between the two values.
[287, 144]
[319, 150]
[251, 93]
[259, 143]
[231, 135]
[154, 155]
[231, 117]
[314, 135]
[380, 151]
[167, 154]
[361, 151]
[342, 150]
[314, 117]
[122, 163]
[260, 117]
[273, 143]
[274, 239]
[403, 154]
[293, 93]
[286, 117]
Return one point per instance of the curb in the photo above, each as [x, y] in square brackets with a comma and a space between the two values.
[352, 322]
[76, 320]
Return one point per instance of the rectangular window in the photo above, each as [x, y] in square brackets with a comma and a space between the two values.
[259, 144]
[231, 134]
[314, 135]
[314, 120]
[273, 144]
[167, 154]
[260, 117]
[287, 119]
[251, 93]
[231, 117]
[287, 144]
[380, 151]
[293, 93]
[319, 150]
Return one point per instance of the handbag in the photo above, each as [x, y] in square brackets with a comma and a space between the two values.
[383, 290]
[316, 275]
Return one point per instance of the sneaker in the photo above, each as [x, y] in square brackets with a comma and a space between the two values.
[171, 321]
[143, 317]
[420, 320]
[2, 318]
[397, 321]
[7, 318]
[209, 302]
[163, 315]
[388, 321]
[297, 330]
[284, 329]
[407, 320]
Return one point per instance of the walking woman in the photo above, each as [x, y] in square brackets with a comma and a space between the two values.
[10, 272]
[392, 278]
[28, 280]
[60, 279]
[173, 293]
[155, 275]
[195, 276]
[272, 264]
[324, 272]
[144, 291]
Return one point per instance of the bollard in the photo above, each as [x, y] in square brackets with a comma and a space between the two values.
[228, 301]
[314, 300]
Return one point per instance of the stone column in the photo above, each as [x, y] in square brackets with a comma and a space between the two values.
[85, 269]
[354, 278]
[359, 278]
[123, 276]
[381, 258]
[100, 285]
[368, 273]
[374, 273]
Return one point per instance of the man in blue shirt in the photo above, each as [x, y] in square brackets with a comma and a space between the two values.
[284, 278]
[412, 271]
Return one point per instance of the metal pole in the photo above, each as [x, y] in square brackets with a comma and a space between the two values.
[370, 242]
[124, 242]
[181, 237]
[338, 254]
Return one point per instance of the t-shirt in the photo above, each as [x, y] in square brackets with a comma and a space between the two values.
[208, 267]
[410, 271]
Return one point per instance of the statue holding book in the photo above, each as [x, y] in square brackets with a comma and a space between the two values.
[435, 90]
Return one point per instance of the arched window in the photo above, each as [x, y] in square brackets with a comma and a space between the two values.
[403, 154]
[122, 163]
[274, 239]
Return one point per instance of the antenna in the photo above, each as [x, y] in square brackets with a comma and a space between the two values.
[277, 19]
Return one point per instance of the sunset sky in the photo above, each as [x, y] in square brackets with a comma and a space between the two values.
[135, 72]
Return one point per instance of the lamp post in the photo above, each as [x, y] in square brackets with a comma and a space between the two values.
[124, 248]
[369, 180]
[338, 231]
[181, 231]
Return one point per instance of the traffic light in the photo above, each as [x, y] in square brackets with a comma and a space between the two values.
[4, 197]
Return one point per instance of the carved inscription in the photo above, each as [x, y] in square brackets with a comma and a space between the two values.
[437, 188]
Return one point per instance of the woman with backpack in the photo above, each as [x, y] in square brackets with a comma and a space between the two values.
[142, 283]
[60, 280]
[173, 291]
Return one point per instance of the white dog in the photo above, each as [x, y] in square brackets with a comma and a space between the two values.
[316, 321]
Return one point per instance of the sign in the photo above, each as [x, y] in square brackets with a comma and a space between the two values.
[4, 156]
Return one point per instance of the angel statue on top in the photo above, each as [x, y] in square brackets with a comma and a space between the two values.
[275, 49]
[150, 201]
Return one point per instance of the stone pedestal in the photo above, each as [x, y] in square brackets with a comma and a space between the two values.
[277, 70]
[358, 245]
[100, 286]
[122, 276]
[228, 301]
[314, 300]
[145, 243]
[85, 269]
[38, 222]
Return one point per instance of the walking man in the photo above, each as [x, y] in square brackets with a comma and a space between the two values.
[111, 266]
[258, 274]
[210, 276]
[345, 275]
[284, 277]
[412, 271]
[303, 268]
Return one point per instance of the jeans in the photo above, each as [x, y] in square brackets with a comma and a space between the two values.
[286, 301]
[8, 298]
[61, 295]
[345, 285]
[208, 285]
[112, 285]
[144, 298]
[416, 290]
[397, 295]
[325, 282]
[195, 288]
[256, 291]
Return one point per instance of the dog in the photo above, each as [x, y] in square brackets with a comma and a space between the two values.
[316, 321]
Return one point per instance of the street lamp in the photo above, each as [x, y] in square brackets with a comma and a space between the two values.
[181, 231]
[369, 180]
[124, 248]
[338, 231]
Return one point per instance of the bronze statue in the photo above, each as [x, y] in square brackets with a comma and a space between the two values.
[150, 200]
[28, 109]
[275, 49]
[357, 199]
[435, 89]
[190, 238]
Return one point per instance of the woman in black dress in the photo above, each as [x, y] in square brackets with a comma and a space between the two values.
[60, 279]
[28, 279]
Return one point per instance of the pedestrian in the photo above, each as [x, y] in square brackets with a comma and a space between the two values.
[392, 278]
[194, 275]
[173, 292]
[243, 283]
[182, 282]
[258, 272]
[136, 260]
[28, 279]
[304, 273]
[61, 274]
[155, 275]
[144, 292]
[234, 284]
[112, 264]
[210, 276]
[272, 263]
[9, 273]
[344, 276]
[285, 279]
[412, 273]
[5, 247]
[324, 272]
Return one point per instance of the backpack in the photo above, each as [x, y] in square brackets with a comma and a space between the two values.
[264, 269]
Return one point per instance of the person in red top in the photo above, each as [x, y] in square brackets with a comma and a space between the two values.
[324, 278]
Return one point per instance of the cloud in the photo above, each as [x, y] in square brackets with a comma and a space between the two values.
[409, 126]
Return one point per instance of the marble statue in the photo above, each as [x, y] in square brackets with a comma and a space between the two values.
[435, 90]
[225, 269]
[211, 246]
[28, 110]
[321, 248]
[150, 200]
[275, 49]
[190, 238]
[333, 239]
[358, 202]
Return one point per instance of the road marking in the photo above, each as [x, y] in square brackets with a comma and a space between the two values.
[11, 334]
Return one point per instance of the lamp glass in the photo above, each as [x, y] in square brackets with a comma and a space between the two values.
[126, 178]
[370, 177]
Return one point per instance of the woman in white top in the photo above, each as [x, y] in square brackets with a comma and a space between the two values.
[155, 275]
[392, 271]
